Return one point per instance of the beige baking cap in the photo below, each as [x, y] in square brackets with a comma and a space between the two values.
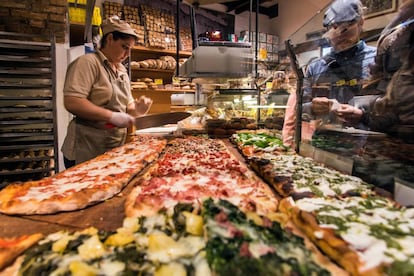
[113, 24]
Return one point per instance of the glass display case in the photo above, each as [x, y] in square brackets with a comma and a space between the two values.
[242, 103]
[353, 102]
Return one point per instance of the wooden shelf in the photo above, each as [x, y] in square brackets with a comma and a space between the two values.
[161, 97]
[153, 70]
[164, 90]
[160, 51]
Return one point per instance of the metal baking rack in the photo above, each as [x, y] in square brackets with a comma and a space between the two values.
[28, 132]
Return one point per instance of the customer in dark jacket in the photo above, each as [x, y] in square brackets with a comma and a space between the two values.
[394, 111]
[342, 71]
[345, 68]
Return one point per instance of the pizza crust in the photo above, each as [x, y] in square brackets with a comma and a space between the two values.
[11, 248]
[329, 243]
[13, 269]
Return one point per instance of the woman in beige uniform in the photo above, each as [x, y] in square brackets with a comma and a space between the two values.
[97, 92]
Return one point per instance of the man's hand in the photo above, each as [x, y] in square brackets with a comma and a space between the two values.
[321, 105]
[142, 105]
[121, 119]
[348, 113]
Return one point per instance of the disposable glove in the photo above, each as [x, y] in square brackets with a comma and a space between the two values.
[121, 119]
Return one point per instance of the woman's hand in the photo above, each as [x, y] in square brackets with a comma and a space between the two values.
[121, 119]
[142, 105]
[321, 105]
[348, 113]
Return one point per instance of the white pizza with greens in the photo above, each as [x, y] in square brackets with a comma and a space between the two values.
[256, 143]
[298, 177]
[366, 235]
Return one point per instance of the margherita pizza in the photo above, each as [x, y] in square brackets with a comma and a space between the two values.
[87, 183]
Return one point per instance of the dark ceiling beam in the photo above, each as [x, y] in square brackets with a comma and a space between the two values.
[242, 6]
[271, 12]
[231, 6]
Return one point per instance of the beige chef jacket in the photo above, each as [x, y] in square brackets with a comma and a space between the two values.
[91, 77]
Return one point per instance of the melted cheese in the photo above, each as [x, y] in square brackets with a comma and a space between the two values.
[92, 173]
[42, 193]
[201, 265]
[111, 268]
[259, 249]
[374, 255]
[308, 176]
[162, 248]
[359, 236]
[358, 229]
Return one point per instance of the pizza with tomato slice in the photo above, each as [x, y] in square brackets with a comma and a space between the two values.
[194, 168]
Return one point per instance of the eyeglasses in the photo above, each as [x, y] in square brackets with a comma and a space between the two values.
[343, 26]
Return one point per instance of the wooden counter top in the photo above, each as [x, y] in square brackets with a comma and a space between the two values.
[107, 215]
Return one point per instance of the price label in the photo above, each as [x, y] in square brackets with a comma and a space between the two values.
[158, 81]
[176, 80]
[269, 84]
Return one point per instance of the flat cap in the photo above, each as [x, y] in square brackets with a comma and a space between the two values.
[343, 11]
[113, 24]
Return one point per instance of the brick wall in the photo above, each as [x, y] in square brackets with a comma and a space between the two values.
[40, 17]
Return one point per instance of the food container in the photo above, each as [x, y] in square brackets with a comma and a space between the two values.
[221, 128]
[182, 99]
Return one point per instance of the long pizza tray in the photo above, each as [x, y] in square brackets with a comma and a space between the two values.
[335, 161]
[351, 131]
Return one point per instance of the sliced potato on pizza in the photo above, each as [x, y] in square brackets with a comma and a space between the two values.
[216, 239]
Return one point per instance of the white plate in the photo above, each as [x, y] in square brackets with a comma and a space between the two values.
[166, 129]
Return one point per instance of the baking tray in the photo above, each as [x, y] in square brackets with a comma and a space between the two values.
[351, 131]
